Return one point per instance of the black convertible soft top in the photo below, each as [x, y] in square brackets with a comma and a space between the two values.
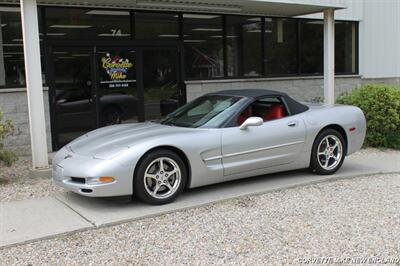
[294, 106]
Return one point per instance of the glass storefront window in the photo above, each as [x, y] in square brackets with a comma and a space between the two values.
[73, 108]
[12, 68]
[312, 47]
[76, 23]
[280, 46]
[203, 50]
[161, 92]
[243, 38]
[162, 26]
[345, 47]
[117, 86]
[202, 34]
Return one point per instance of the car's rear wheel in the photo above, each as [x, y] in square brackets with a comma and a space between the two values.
[328, 153]
[160, 177]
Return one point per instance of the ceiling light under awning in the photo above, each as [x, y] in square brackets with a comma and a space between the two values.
[80, 55]
[56, 34]
[60, 26]
[254, 19]
[108, 12]
[198, 16]
[206, 29]
[171, 35]
[228, 36]
[182, 5]
[194, 40]
[113, 35]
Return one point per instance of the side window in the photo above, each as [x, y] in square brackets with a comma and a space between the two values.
[268, 108]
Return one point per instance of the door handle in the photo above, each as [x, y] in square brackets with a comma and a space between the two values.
[292, 124]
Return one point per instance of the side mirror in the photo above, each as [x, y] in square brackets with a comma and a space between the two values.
[251, 122]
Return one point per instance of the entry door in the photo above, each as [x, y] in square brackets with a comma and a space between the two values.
[96, 86]
[118, 100]
[161, 90]
[72, 93]
[276, 142]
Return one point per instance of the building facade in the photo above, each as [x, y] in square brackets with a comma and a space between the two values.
[108, 62]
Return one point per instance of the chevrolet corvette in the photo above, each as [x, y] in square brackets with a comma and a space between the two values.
[216, 138]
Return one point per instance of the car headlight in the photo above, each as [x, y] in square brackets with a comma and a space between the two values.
[100, 180]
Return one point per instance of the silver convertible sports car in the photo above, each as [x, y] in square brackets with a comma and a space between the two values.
[218, 137]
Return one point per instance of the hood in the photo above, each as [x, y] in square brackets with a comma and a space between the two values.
[108, 142]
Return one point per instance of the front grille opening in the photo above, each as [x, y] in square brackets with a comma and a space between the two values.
[78, 180]
[85, 190]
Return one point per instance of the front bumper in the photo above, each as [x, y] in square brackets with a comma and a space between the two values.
[73, 171]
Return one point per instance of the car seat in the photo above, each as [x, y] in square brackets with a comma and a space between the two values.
[275, 111]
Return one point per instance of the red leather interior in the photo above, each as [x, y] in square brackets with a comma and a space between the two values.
[244, 115]
[275, 111]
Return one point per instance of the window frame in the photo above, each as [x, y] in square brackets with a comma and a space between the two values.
[180, 41]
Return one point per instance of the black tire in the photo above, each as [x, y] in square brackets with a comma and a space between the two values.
[317, 160]
[111, 116]
[141, 189]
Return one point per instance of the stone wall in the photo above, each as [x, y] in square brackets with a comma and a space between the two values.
[300, 88]
[391, 81]
[14, 104]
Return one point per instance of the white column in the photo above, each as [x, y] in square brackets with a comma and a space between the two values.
[30, 32]
[329, 56]
[2, 68]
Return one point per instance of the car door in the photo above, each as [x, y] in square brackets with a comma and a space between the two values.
[275, 142]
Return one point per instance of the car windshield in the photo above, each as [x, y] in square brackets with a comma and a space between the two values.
[208, 111]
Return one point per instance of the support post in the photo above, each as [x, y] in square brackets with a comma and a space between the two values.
[329, 56]
[37, 124]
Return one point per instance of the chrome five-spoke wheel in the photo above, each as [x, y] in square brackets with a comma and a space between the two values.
[330, 152]
[162, 177]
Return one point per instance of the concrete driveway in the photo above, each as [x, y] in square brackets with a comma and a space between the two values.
[29, 220]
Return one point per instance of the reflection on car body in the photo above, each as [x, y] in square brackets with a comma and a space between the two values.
[75, 109]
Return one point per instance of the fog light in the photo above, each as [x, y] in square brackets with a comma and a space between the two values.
[106, 179]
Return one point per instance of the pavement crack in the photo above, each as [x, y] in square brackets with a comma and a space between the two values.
[75, 211]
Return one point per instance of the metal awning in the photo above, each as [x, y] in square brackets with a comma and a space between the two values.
[286, 8]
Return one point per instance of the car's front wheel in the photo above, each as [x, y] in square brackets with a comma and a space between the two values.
[328, 153]
[160, 177]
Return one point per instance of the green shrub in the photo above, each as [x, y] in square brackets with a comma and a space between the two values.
[381, 106]
[6, 128]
